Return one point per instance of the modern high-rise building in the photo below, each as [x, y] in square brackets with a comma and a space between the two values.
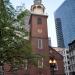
[65, 23]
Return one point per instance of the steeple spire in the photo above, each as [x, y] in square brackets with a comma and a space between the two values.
[37, 1]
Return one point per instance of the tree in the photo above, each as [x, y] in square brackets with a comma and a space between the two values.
[14, 48]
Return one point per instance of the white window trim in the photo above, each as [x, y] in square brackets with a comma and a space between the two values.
[40, 43]
[26, 64]
[40, 63]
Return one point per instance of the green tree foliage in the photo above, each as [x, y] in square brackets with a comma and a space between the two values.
[14, 48]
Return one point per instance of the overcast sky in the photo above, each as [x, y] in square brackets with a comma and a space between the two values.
[51, 6]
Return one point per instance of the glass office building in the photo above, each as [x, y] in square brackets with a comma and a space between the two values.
[65, 23]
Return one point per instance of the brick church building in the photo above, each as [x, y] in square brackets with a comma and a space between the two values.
[39, 41]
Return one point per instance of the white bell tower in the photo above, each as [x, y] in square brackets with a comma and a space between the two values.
[37, 7]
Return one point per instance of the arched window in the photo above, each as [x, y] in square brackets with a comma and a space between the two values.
[39, 7]
[39, 20]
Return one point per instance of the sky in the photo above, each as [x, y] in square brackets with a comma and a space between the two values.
[50, 8]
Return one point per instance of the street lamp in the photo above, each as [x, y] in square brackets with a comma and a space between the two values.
[52, 63]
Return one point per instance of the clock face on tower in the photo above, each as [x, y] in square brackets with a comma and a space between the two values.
[39, 30]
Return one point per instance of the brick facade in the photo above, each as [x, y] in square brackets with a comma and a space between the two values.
[41, 34]
[59, 59]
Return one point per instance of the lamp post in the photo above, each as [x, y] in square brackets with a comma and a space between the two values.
[52, 63]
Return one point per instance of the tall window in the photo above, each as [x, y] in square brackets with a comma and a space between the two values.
[26, 64]
[39, 20]
[1, 70]
[40, 63]
[40, 43]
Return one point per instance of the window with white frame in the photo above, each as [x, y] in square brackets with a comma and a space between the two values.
[26, 64]
[1, 70]
[40, 63]
[40, 43]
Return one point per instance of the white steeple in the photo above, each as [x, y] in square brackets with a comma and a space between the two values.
[37, 7]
